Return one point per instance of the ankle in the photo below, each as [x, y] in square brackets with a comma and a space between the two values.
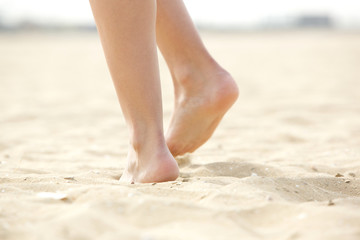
[150, 162]
[191, 77]
[184, 70]
[142, 142]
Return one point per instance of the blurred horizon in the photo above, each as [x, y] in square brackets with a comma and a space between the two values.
[207, 14]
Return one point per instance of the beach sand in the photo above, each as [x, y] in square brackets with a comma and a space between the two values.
[283, 164]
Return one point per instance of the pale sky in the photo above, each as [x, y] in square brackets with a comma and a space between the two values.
[203, 11]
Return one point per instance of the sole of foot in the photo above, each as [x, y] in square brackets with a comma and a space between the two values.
[199, 110]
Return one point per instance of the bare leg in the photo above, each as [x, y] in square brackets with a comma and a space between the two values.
[204, 91]
[127, 33]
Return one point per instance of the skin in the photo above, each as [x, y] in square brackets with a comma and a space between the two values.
[129, 31]
[204, 91]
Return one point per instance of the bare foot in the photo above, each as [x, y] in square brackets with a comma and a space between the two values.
[154, 165]
[201, 100]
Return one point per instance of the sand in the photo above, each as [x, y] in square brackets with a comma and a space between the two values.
[283, 164]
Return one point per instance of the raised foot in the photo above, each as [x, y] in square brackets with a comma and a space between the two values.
[156, 166]
[199, 107]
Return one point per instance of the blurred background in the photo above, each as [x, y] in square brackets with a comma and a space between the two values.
[210, 14]
[294, 128]
[55, 85]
